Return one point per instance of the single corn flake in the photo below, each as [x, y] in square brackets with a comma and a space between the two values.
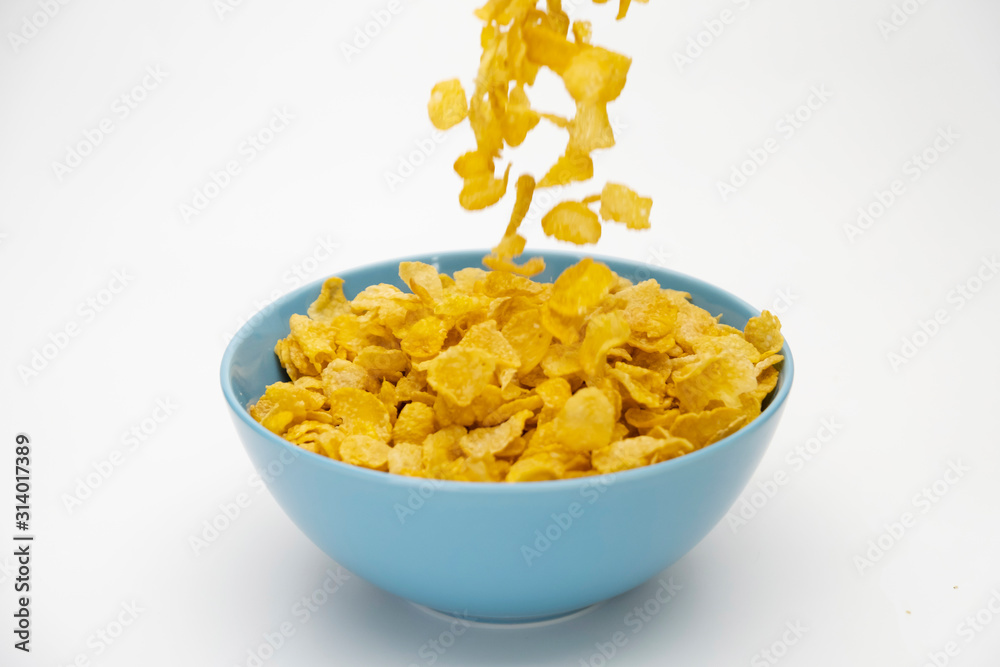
[485, 336]
[719, 377]
[732, 343]
[485, 124]
[510, 246]
[648, 310]
[645, 387]
[447, 106]
[561, 361]
[461, 374]
[564, 327]
[581, 287]
[483, 190]
[343, 373]
[317, 437]
[573, 222]
[525, 189]
[365, 451]
[316, 339]
[423, 279]
[331, 302]
[596, 75]
[535, 469]
[494, 440]
[554, 393]
[766, 382]
[284, 404]
[764, 333]
[447, 412]
[621, 204]
[636, 452]
[361, 413]
[519, 118]
[549, 48]
[527, 336]
[293, 359]
[441, 447]
[503, 283]
[425, 338]
[415, 422]
[766, 363]
[604, 332]
[571, 166]
[590, 128]
[586, 421]
[645, 419]
[474, 163]
[557, 17]
[704, 428]
[508, 410]
[382, 363]
[406, 459]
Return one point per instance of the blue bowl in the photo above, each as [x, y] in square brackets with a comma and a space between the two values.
[493, 551]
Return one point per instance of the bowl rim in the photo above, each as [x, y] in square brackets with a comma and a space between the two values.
[786, 377]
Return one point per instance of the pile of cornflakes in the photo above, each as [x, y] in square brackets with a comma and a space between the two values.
[490, 376]
[517, 40]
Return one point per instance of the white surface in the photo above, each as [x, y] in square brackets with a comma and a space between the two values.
[322, 181]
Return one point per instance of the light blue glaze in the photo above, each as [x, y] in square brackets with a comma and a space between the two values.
[465, 549]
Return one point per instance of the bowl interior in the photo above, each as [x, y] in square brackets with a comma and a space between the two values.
[249, 364]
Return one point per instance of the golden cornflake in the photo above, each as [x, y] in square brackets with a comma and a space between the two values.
[572, 221]
[447, 106]
[621, 204]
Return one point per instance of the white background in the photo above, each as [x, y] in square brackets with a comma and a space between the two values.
[849, 301]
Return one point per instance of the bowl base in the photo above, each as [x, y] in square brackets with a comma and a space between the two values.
[517, 623]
